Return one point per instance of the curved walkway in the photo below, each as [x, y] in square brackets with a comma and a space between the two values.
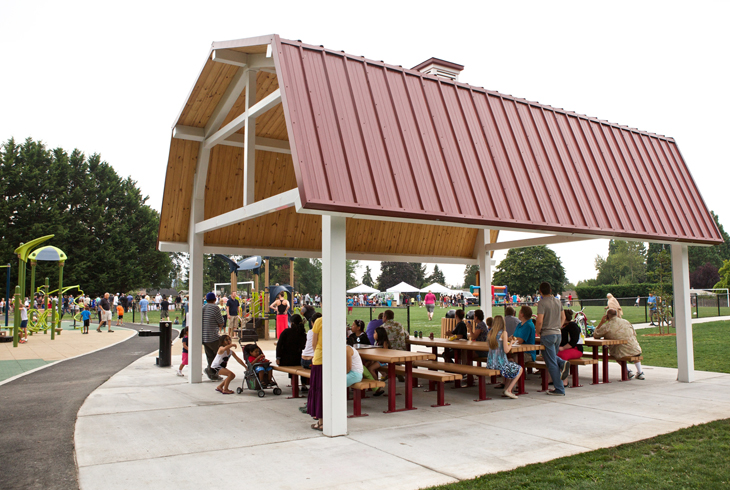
[40, 411]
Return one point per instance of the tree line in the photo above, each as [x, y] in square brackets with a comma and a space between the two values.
[99, 219]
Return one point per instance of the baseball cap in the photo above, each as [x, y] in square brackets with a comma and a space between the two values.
[210, 297]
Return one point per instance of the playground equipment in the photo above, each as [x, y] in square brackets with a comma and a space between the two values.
[500, 294]
[7, 291]
[25, 252]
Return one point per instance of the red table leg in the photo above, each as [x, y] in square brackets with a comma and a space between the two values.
[595, 366]
[521, 380]
[391, 388]
[482, 389]
[440, 397]
[543, 381]
[605, 364]
[409, 386]
[294, 387]
[624, 371]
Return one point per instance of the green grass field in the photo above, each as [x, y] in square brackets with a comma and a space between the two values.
[692, 458]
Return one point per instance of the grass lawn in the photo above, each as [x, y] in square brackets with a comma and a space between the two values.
[710, 347]
[696, 457]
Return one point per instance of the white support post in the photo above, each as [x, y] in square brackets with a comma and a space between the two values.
[683, 314]
[249, 141]
[334, 318]
[195, 281]
[485, 272]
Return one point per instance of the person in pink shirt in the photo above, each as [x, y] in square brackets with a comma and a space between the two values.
[430, 302]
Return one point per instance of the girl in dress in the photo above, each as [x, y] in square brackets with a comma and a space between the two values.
[499, 347]
[281, 305]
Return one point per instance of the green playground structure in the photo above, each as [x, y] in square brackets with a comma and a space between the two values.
[38, 319]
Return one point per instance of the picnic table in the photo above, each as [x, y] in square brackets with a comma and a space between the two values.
[605, 343]
[471, 346]
[392, 356]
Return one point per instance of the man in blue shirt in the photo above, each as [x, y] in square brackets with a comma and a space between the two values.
[651, 303]
[143, 304]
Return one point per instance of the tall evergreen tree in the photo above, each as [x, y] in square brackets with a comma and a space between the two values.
[470, 276]
[392, 273]
[99, 219]
[367, 277]
[308, 276]
[436, 276]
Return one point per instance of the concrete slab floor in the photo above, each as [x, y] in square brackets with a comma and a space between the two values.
[167, 433]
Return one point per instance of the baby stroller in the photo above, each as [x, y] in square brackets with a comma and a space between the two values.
[250, 378]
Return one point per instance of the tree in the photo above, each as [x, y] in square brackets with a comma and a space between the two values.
[367, 278]
[392, 273]
[470, 275]
[715, 255]
[420, 270]
[308, 276]
[523, 269]
[704, 277]
[625, 263]
[436, 276]
[99, 219]
[350, 268]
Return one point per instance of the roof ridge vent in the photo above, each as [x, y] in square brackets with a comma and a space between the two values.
[441, 68]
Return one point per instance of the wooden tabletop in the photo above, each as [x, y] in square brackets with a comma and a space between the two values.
[469, 345]
[451, 344]
[392, 355]
[591, 342]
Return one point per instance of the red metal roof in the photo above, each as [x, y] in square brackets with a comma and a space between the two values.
[371, 138]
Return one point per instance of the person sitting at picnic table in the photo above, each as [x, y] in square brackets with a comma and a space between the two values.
[525, 331]
[480, 330]
[358, 335]
[510, 321]
[499, 347]
[614, 328]
[354, 366]
[381, 340]
[571, 343]
[291, 344]
[372, 326]
[613, 303]
[458, 333]
[396, 334]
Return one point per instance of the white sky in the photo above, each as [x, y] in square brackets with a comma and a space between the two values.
[110, 78]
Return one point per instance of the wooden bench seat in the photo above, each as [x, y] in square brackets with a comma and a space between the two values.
[435, 380]
[623, 363]
[574, 363]
[296, 373]
[358, 389]
[480, 372]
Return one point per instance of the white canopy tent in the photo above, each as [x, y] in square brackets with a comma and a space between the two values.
[436, 288]
[403, 287]
[362, 288]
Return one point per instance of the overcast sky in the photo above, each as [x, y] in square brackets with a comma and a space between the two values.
[110, 78]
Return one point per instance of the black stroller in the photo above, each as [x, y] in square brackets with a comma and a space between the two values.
[250, 378]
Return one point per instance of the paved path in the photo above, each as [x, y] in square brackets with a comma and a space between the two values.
[39, 413]
[169, 434]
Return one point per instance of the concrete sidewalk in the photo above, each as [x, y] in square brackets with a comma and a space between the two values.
[147, 428]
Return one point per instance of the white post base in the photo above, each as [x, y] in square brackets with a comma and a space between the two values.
[683, 314]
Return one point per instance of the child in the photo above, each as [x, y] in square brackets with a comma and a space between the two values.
[86, 317]
[266, 372]
[499, 347]
[120, 315]
[220, 362]
[184, 336]
[381, 340]
[24, 323]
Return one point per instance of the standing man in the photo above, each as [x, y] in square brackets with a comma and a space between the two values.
[234, 321]
[430, 302]
[105, 308]
[212, 322]
[164, 309]
[143, 305]
[550, 317]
